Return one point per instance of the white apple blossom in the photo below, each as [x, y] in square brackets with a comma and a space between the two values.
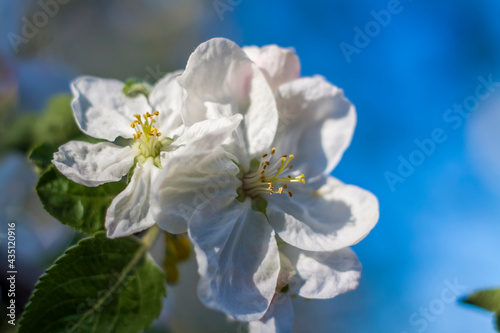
[252, 191]
[103, 111]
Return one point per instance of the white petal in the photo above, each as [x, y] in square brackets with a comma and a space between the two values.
[287, 272]
[129, 211]
[207, 135]
[334, 217]
[316, 124]
[237, 256]
[102, 110]
[279, 65]
[278, 319]
[93, 164]
[167, 98]
[219, 72]
[323, 274]
[187, 181]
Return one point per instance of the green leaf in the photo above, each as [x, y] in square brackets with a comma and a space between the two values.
[20, 134]
[488, 300]
[42, 155]
[55, 126]
[99, 285]
[485, 299]
[83, 208]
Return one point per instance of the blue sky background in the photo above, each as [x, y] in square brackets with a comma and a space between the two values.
[440, 226]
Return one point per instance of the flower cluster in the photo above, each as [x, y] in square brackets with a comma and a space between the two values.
[236, 151]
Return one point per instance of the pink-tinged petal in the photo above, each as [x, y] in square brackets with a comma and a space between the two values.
[222, 81]
[279, 65]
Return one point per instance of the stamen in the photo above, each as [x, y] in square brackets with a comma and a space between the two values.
[269, 173]
[150, 143]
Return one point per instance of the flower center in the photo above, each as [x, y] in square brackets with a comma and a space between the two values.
[147, 138]
[264, 176]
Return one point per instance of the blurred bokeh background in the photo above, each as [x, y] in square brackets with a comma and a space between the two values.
[412, 68]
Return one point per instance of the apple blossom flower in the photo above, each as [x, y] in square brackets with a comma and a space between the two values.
[270, 178]
[103, 111]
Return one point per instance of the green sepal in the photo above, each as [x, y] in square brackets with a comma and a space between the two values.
[254, 165]
[134, 87]
[259, 204]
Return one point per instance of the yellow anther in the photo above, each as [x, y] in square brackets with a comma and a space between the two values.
[156, 113]
[271, 172]
[158, 134]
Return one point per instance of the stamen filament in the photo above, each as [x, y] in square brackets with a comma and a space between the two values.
[258, 182]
